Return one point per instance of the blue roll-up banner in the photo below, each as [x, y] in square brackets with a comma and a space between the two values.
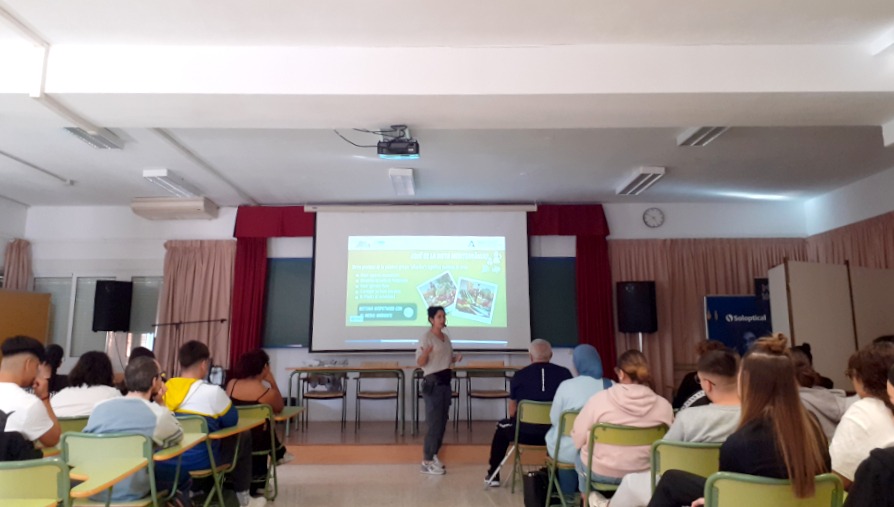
[737, 321]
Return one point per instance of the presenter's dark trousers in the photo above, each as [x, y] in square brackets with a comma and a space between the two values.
[437, 398]
[677, 488]
[530, 434]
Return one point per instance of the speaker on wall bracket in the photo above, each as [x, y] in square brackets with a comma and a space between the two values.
[111, 305]
[637, 311]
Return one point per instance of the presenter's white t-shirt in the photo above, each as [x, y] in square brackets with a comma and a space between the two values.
[79, 401]
[441, 356]
[27, 414]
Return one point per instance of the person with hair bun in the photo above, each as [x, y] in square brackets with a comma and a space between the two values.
[630, 402]
[776, 437]
[868, 423]
[57, 382]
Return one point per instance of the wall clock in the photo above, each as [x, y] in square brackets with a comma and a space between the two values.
[653, 217]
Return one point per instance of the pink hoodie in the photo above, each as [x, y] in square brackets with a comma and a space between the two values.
[628, 405]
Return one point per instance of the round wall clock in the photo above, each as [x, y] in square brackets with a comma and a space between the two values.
[653, 217]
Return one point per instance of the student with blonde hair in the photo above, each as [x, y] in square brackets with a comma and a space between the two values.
[776, 437]
[630, 402]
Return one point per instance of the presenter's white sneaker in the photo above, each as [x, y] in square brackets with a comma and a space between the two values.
[438, 463]
[429, 467]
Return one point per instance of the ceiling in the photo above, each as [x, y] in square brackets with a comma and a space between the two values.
[522, 101]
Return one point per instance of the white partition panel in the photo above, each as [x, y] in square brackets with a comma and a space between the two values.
[873, 291]
[821, 315]
[779, 300]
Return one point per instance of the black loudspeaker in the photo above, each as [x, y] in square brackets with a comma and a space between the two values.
[111, 305]
[636, 307]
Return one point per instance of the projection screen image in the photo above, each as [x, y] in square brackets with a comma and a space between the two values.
[376, 275]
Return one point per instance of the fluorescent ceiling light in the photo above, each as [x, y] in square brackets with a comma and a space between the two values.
[173, 184]
[642, 178]
[699, 136]
[102, 139]
[402, 181]
[758, 197]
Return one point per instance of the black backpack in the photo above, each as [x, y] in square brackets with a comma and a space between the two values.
[13, 445]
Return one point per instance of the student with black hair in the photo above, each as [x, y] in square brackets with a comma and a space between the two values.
[57, 382]
[29, 414]
[91, 382]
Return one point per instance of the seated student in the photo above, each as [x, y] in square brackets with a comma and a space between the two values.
[141, 352]
[191, 394]
[869, 422]
[828, 405]
[716, 375]
[631, 402]
[136, 413]
[776, 436]
[874, 476]
[29, 414]
[536, 382]
[255, 384]
[572, 395]
[91, 381]
[689, 393]
[57, 382]
[821, 381]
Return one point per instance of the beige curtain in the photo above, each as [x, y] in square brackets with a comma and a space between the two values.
[17, 273]
[868, 244]
[198, 285]
[685, 271]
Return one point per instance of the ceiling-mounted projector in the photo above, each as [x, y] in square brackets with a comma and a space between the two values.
[401, 149]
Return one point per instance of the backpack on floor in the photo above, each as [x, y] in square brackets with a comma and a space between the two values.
[535, 484]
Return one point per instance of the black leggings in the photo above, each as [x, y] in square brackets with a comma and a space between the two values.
[677, 488]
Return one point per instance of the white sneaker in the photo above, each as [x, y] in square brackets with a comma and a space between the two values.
[245, 500]
[438, 463]
[597, 500]
[429, 467]
[287, 457]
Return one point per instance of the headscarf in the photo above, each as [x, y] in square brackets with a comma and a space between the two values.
[587, 361]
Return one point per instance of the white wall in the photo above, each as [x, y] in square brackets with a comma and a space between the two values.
[852, 203]
[708, 220]
[12, 224]
[94, 240]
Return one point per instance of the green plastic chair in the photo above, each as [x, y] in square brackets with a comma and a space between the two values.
[264, 411]
[727, 489]
[700, 458]
[81, 449]
[528, 412]
[614, 434]
[566, 422]
[73, 424]
[198, 424]
[31, 481]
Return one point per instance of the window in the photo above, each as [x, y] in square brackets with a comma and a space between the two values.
[59, 289]
[144, 310]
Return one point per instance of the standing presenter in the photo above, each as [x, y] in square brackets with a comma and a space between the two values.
[434, 355]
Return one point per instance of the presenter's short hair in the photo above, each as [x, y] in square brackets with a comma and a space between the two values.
[433, 310]
[192, 352]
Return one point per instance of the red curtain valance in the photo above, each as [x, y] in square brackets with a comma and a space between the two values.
[273, 222]
[568, 220]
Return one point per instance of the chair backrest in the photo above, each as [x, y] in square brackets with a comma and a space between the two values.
[76, 424]
[726, 489]
[700, 458]
[533, 412]
[615, 434]
[380, 374]
[193, 423]
[485, 364]
[36, 478]
[79, 448]
[566, 423]
[484, 373]
[259, 411]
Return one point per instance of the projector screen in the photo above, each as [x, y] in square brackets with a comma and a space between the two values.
[376, 274]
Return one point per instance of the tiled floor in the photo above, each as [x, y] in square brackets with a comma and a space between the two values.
[389, 485]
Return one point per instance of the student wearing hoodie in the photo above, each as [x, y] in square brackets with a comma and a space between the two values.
[191, 394]
[572, 394]
[828, 405]
[631, 402]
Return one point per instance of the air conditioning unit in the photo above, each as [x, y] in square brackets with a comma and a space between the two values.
[174, 208]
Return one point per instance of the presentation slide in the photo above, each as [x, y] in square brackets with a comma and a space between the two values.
[377, 273]
[393, 279]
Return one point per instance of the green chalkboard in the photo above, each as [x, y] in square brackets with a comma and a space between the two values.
[553, 300]
[288, 302]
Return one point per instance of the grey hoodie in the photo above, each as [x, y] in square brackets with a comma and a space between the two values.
[828, 405]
